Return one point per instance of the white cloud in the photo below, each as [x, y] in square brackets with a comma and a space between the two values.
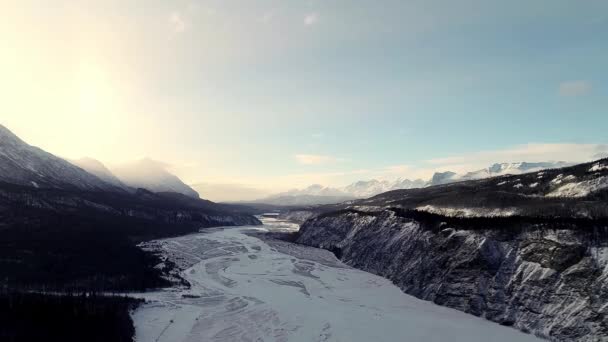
[574, 88]
[177, 22]
[311, 19]
[313, 159]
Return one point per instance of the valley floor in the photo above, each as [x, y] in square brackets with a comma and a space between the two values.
[244, 288]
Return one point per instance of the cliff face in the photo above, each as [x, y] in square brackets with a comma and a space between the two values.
[297, 216]
[549, 280]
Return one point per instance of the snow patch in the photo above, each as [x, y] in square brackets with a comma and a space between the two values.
[534, 271]
[469, 212]
[600, 255]
[580, 189]
[559, 179]
[598, 167]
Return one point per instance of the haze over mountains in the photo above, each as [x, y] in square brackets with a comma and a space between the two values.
[318, 194]
[144, 173]
[28, 165]
[95, 167]
[152, 175]
[314, 194]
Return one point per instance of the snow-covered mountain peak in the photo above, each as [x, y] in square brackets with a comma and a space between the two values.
[442, 177]
[315, 187]
[522, 167]
[152, 175]
[27, 165]
[97, 168]
[367, 188]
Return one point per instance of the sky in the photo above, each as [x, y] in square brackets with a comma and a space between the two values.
[276, 94]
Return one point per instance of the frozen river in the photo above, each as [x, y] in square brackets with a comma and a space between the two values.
[244, 288]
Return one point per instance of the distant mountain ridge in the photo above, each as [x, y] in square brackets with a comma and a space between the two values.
[318, 194]
[498, 169]
[314, 194]
[28, 165]
[144, 173]
[23, 164]
[363, 189]
[152, 175]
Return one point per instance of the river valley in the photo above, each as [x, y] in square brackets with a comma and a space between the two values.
[244, 287]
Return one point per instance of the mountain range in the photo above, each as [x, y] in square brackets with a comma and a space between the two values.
[27, 165]
[498, 169]
[318, 195]
[23, 164]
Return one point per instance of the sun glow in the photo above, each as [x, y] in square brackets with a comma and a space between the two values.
[94, 93]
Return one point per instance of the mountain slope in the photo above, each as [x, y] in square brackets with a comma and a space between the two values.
[23, 164]
[152, 175]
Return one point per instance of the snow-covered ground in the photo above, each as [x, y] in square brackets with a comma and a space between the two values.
[579, 189]
[249, 289]
[469, 212]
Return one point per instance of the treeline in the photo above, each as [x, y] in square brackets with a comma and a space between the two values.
[514, 223]
[46, 250]
[48, 253]
[57, 242]
[595, 228]
[26, 317]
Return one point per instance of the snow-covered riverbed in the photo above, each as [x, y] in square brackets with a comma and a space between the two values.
[250, 289]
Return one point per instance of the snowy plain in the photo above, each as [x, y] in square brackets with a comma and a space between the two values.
[247, 288]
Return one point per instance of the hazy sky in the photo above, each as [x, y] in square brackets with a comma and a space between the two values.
[276, 94]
